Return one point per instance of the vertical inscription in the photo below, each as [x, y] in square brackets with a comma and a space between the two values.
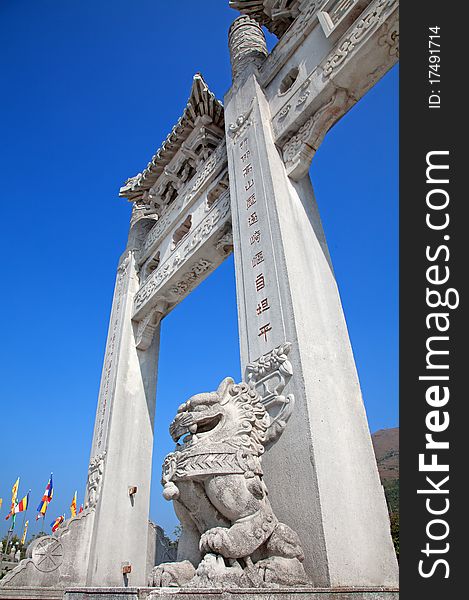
[112, 348]
[261, 284]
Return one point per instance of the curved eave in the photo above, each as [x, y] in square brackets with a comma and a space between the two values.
[201, 102]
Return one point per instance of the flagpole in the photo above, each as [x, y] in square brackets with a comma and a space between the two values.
[14, 494]
[9, 532]
[24, 521]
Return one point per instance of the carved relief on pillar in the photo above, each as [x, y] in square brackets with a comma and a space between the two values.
[94, 482]
[299, 150]
[247, 45]
[239, 127]
[109, 367]
[269, 375]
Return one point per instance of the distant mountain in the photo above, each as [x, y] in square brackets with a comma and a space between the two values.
[386, 445]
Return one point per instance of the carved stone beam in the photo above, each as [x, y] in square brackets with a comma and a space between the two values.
[318, 99]
[193, 259]
[206, 175]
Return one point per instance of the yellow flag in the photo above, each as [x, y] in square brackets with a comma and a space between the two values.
[1, 502]
[73, 506]
[23, 539]
[14, 493]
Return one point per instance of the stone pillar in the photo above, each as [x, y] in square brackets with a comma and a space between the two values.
[321, 474]
[121, 457]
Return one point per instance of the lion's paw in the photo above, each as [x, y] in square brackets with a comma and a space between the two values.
[215, 540]
[175, 574]
[279, 571]
[213, 572]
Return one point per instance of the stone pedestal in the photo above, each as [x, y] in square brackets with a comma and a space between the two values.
[233, 594]
[30, 593]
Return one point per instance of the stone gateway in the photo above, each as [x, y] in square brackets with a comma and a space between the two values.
[274, 479]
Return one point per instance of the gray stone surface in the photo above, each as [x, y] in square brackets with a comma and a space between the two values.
[30, 593]
[160, 549]
[233, 594]
[55, 561]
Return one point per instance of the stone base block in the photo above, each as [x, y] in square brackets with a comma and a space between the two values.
[30, 593]
[232, 594]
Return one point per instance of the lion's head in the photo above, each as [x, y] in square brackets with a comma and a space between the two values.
[234, 414]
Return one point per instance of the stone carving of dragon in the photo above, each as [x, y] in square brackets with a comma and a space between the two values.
[230, 535]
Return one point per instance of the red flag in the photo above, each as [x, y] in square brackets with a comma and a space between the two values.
[56, 524]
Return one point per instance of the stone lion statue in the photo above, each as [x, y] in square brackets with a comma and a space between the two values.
[230, 535]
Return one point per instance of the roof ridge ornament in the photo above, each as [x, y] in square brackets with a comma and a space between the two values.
[201, 103]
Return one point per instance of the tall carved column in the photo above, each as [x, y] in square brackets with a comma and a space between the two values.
[321, 473]
[121, 456]
[247, 46]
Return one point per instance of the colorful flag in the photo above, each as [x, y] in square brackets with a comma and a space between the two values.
[1, 502]
[22, 505]
[17, 507]
[42, 513]
[56, 524]
[46, 498]
[23, 539]
[73, 506]
[14, 493]
[81, 509]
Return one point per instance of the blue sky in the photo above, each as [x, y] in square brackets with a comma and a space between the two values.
[90, 91]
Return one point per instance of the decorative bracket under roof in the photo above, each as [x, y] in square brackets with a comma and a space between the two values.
[202, 111]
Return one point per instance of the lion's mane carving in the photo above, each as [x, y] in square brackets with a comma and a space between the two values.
[230, 535]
